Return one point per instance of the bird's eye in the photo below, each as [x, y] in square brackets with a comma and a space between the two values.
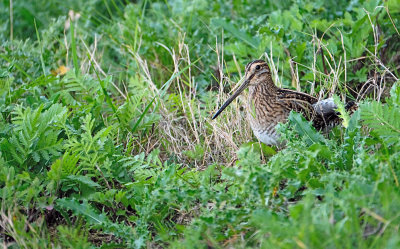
[258, 67]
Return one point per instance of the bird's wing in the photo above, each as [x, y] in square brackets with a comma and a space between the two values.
[322, 113]
[297, 101]
[286, 93]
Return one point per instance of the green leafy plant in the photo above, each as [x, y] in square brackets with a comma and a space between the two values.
[106, 138]
[384, 119]
[35, 135]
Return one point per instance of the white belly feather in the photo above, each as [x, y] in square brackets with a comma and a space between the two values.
[266, 138]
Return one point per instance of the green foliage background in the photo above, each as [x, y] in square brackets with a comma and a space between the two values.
[119, 151]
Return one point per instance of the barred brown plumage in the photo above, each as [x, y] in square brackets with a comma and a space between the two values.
[269, 105]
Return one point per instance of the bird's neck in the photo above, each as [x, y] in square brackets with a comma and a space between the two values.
[265, 87]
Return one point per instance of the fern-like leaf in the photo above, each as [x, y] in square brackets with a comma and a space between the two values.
[35, 135]
[383, 119]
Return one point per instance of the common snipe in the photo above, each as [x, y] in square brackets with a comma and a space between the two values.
[268, 104]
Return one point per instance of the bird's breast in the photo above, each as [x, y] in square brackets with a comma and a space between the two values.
[264, 115]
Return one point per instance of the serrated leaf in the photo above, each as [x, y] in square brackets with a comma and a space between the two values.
[84, 180]
[304, 128]
[84, 209]
[342, 111]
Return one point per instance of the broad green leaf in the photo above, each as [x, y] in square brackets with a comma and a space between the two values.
[241, 35]
[304, 128]
[84, 209]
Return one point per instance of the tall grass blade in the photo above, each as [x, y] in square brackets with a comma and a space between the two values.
[73, 47]
[40, 47]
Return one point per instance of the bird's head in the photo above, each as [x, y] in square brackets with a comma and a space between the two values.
[257, 72]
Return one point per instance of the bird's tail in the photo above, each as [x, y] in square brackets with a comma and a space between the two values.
[351, 107]
[328, 116]
[327, 107]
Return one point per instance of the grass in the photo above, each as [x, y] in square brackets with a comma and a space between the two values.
[106, 138]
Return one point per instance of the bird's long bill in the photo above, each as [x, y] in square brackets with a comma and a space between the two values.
[231, 98]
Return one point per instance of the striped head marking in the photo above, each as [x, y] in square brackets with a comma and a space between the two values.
[256, 72]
